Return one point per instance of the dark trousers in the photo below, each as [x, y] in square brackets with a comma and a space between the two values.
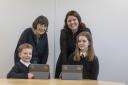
[58, 67]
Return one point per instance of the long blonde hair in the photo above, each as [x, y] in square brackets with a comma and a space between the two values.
[90, 51]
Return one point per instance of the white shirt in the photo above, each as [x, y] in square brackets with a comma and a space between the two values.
[25, 63]
[85, 54]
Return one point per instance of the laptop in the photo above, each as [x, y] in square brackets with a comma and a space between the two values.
[72, 72]
[40, 71]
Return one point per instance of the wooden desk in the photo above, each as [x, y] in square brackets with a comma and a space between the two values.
[55, 82]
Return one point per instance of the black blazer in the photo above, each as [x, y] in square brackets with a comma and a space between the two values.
[19, 70]
[90, 68]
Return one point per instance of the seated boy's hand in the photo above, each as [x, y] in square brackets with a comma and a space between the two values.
[30, 76]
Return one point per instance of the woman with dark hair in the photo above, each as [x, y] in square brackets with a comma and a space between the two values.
[73, 26]
[37, 37]
[84, 55]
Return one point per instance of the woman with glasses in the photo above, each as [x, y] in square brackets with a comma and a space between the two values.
[37, 37]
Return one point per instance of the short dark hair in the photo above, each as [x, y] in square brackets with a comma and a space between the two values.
[40, 20]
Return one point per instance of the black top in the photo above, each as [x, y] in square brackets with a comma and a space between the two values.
[19, 70]
[90, 68]
[40, 49]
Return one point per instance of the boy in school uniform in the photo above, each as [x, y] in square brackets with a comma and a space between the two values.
[21, 69]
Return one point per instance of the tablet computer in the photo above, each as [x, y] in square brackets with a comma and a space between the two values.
[40, 71]
[72, 72]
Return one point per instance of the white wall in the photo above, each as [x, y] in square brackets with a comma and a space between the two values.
[15, 16]
[107, 20]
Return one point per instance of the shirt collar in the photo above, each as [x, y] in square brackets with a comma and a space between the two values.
[85, 54]
[25, 63]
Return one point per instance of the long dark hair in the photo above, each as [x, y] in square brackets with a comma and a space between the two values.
[75, 14]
